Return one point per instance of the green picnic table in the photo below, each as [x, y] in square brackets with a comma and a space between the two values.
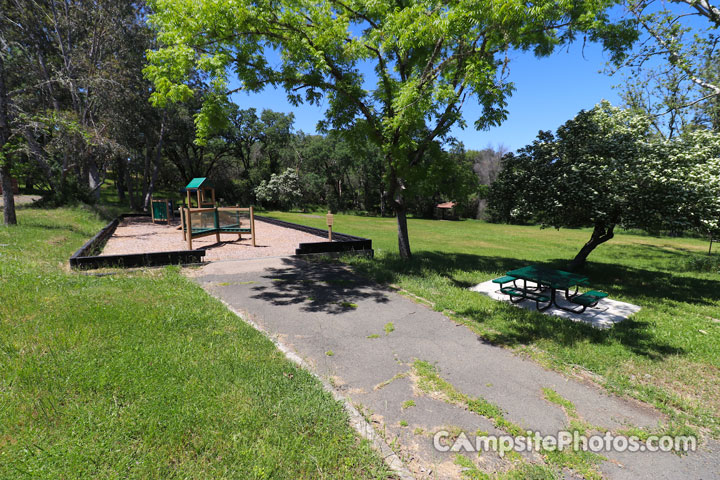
[554, 280]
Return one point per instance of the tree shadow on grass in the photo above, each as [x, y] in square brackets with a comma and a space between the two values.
[650, 286]
[318, 287]
[528, 327]
[523, 327]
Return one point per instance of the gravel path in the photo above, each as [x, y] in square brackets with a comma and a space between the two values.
[140, 235]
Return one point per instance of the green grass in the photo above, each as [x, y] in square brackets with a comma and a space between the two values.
[143, 375]
[666, 354]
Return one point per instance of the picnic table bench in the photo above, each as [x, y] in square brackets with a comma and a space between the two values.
[554, 280]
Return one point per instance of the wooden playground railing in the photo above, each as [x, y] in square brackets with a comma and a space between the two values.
[186, 216]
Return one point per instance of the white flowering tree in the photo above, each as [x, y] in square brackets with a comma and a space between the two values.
[604, 169]
[282, 190]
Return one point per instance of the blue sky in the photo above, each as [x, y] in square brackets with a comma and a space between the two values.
[549, 91]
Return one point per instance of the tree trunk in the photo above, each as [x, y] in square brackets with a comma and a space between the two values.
[5, 180]
[9, 217]
[129, 185]
[398, 202]
[601, 234]
[155, 167]
[146, 173]
[403, 238]
[120, 179]
[94, 179]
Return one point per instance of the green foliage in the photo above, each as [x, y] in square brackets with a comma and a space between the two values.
[429, 59]
[77, 99]
[282, 190]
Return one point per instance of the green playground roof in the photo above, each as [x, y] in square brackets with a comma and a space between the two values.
[200, 182]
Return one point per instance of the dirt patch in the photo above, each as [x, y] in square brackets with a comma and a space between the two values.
[140, 235]
[22, 199]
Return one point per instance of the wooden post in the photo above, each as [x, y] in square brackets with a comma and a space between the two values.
[330, 225]
[198, 199]
[188, 234]
[182, 222]
[168, 209]
[213, 196]
[252, 224]
[217, 224]
[152, 210]
[187, 192]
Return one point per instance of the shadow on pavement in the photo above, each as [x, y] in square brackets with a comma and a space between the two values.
[319, 287]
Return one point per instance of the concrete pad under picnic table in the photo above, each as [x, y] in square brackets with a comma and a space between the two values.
[605, 314]
[336, 321]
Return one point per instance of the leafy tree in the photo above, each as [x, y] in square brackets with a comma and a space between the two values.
[332, 159]
[190, 158]
[673, 71]
[429, 58]
[604, 169]
[76, 98]
[448, 176]
[486, 164]
[282, 190]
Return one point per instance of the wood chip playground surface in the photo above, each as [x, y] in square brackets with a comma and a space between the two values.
[140, 235]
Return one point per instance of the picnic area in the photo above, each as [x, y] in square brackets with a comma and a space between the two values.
[359, 240]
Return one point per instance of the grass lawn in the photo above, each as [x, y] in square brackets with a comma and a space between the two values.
[143, 375]
[667, 354]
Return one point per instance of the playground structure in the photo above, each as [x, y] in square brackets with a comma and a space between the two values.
[201, 222]
[208, 219]
[161, 210]
[204, 193]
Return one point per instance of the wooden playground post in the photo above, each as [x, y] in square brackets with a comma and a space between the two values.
[182, 221]
[198, 198]
[188, 234]
[252, 224]
[330, 225]
[217, 221]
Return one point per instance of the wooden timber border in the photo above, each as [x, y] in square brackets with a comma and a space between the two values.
[86, 257]
[341, 243]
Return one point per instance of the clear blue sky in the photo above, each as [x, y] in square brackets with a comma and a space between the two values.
[549, 91]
